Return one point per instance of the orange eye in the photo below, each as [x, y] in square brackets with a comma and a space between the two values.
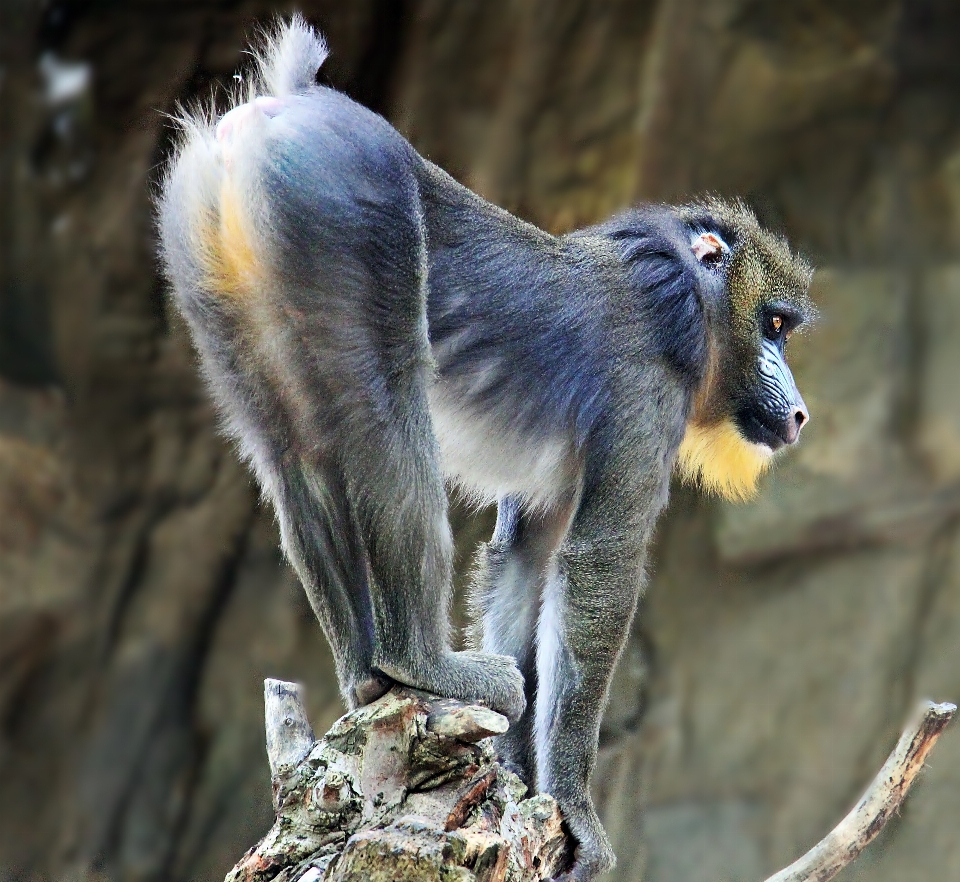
[777, 323]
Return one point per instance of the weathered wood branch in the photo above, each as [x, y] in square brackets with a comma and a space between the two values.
[289, 733]
[843, 844]
[408, 789]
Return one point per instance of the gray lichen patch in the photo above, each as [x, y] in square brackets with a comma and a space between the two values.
[408, 788]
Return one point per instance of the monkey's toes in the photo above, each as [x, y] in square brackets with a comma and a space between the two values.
[494, 680]
[375, 686]
[470, 677]
[593, 854]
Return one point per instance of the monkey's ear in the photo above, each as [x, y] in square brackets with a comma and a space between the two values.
[709, 248]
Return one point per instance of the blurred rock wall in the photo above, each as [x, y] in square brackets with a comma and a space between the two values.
[780, 644]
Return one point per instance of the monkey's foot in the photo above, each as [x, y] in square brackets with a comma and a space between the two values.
[472, 677]
[369, 690]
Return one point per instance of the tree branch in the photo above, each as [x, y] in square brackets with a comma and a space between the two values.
[289, 733]
[883, 797]
[408, 789]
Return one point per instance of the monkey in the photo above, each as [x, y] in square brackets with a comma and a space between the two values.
[371, 329]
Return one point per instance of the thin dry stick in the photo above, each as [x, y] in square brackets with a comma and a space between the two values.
[883, 797]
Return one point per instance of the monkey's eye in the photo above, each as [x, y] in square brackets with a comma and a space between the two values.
[778, 321]
[776, 327]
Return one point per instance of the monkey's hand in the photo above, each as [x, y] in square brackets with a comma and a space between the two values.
[472, 677]
[593, 854]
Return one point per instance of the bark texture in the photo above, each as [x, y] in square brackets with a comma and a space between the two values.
[142, 597]
[408, 789]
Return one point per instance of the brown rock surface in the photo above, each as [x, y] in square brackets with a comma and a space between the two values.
[142, 598]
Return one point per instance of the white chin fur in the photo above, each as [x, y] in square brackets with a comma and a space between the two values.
[764, 450]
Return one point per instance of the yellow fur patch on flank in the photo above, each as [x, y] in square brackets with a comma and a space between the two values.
[232, 266]
[719, 459]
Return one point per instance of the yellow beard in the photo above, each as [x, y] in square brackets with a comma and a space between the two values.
[721, 460]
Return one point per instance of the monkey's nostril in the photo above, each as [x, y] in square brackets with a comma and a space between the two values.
[789, 429]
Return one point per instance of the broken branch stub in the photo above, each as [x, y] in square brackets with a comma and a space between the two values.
[289, 733]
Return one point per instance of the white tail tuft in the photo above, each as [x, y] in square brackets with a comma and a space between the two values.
[289, 58]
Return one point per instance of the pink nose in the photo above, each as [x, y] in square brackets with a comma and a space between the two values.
[793, 424]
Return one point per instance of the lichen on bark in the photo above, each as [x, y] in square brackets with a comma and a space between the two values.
[407, 788]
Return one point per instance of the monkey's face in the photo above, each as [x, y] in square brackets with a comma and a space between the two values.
[749, 407]
[767, 290]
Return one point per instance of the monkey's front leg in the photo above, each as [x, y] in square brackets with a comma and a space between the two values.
[585, 618]
[506, 593]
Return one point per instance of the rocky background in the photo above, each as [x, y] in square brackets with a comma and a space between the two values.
[780, 644]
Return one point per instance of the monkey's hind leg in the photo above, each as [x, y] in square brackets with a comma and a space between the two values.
[321, 540]
[338, 318]
[411, 561]
[222, 283]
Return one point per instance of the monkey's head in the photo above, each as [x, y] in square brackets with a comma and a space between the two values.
[748, 406]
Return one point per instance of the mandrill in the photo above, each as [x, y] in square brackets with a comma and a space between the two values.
[369, 328]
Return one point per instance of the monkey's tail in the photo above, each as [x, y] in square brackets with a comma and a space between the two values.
[209, 217]
[288, 58]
